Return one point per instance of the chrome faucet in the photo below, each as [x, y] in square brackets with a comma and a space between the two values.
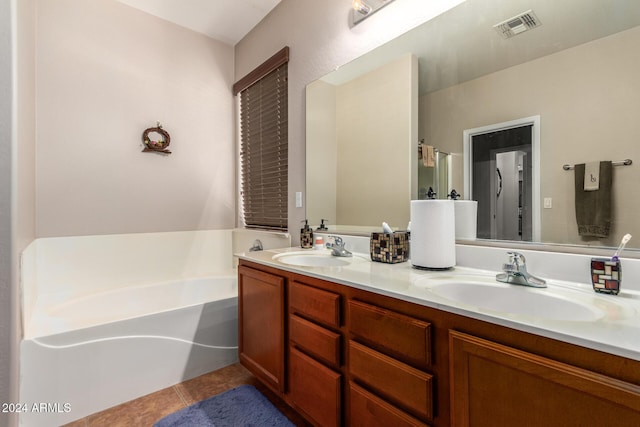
[257, 246]
[337, 247]
[515, 272]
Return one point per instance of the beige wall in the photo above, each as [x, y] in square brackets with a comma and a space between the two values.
[106, 72]
[587, 99]
[358, 153]
[374, 141]
[17, 194]
[321, 153]
[320, 39]
[26, 125]
[7, 324]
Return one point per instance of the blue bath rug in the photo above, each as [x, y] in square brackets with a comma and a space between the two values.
[241, 406]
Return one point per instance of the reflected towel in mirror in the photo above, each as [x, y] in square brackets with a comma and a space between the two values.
[428, 156]
[593, 208]
[591, 176]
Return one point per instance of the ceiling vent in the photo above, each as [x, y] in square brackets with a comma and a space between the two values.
[517, 24]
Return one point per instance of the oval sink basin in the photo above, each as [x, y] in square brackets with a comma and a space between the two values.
[517, 300]
[315, 259]
[552, 303]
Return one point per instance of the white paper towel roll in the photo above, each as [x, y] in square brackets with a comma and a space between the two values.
[433, 238]
[466, 212]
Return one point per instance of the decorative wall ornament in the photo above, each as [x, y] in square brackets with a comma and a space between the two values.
[159, 143]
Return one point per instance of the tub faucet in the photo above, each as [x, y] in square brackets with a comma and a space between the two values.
[257, 246]
[337, 247]
[515, 272]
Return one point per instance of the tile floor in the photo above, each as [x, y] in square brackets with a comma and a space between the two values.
[145, 411]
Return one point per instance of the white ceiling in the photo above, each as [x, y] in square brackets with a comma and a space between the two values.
[225, 20]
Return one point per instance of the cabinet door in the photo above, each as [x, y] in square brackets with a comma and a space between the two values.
[261, 319]
[315, 389]
[496, 385]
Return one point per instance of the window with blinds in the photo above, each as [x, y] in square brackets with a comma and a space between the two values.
[264, 144]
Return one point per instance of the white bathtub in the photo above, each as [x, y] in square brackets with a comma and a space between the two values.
[136, 341]
[103, 325]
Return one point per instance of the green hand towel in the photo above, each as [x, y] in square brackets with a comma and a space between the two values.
[593, 208]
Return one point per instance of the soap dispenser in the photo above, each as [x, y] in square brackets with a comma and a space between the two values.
[306, 236]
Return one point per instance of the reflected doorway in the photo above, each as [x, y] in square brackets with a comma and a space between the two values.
[501, 174]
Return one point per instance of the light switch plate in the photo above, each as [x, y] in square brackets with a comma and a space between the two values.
[298, 199]
[547, 203]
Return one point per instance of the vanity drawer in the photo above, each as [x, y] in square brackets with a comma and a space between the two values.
[400, 384]
[368, 410]
[314, 339]
[395, 334]
[315, 389]
[315, 304]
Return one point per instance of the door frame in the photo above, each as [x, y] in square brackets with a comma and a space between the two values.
[467, 144]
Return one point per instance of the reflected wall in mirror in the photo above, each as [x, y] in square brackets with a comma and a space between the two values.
[577, 71]
[361, 169]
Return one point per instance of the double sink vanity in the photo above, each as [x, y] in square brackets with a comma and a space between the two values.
[347, 341]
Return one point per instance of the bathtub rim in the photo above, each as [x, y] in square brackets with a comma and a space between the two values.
[30, 326]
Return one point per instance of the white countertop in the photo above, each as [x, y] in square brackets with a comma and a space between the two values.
[616, 330]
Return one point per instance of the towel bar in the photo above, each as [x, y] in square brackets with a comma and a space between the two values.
[625, 162]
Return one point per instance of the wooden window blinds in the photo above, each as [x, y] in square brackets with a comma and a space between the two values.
[264, 144]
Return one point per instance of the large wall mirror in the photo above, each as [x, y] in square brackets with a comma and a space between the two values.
[577, 72]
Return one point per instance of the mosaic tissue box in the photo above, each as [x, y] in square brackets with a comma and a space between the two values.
[389, 248]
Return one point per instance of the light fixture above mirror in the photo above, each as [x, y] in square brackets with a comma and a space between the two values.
[361, 9]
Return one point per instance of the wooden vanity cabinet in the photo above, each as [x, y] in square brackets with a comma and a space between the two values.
[344, 356]
[497, 385]
[261, 332]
